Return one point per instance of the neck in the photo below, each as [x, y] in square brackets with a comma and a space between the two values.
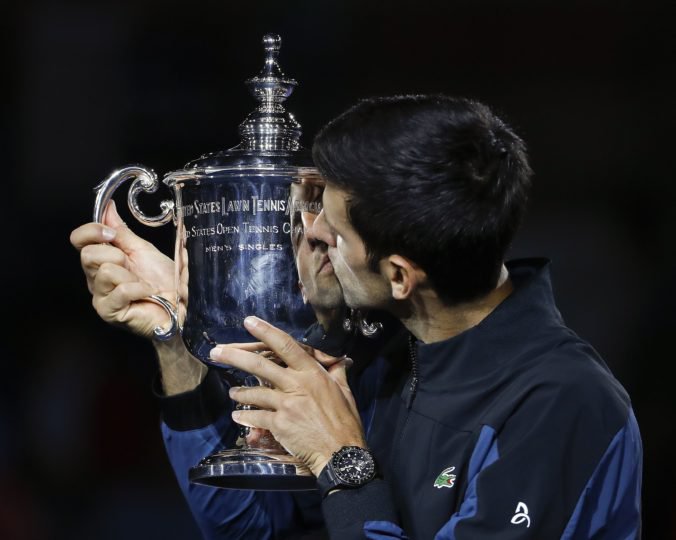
[431, 320]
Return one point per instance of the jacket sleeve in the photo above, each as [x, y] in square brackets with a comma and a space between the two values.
[366, 512]
[194, 425]
[561, 466]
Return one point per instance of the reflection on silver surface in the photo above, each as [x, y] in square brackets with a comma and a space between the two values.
[357, 321]
[257, 469]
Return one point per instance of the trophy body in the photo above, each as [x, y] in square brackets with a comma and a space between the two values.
[234, 256]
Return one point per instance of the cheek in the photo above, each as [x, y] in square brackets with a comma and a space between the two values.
[342, 251]
[342, 259]
[354, 259]
[338, 262]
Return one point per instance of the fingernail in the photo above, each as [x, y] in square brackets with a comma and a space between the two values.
[108, 233]
[235, 416]
[215, 353]
[348, 362]
[251, 322]
[233, 391]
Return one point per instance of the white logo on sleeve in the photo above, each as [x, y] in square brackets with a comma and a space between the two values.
[521, 515]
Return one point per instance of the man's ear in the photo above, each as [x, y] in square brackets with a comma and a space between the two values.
[404, 275]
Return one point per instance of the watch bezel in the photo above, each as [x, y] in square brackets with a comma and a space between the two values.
[348, 481]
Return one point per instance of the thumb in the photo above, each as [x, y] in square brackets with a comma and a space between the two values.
[326, 360]
[111, 217]
[338, 371]
[125, 239]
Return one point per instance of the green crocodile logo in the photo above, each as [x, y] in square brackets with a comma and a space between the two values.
[445, 479]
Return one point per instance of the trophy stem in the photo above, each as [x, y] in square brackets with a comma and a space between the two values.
[259, 462]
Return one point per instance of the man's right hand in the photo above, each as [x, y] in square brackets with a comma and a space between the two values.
[121, 270]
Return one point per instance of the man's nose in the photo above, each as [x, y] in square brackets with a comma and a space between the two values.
[320, 231]
[308, 219]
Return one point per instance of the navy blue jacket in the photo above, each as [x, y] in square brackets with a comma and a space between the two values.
[513, 429]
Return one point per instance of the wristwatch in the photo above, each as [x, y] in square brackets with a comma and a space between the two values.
[349, 467]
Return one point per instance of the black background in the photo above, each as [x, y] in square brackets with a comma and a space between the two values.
[92, 86]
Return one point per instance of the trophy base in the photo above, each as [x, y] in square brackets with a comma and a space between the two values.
[253, 469]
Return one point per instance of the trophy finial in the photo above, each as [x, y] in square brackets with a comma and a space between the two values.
[272, 43]
[270, 126]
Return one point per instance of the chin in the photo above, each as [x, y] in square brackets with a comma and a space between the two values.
[363, 301]
[355, 303]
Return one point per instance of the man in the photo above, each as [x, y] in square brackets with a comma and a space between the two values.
[504, 424]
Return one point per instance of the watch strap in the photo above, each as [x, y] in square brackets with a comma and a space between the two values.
[327, 481]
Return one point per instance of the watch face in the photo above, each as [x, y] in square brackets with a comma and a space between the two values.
[353, 466]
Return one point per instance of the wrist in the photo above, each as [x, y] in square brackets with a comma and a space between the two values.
[172, 346]
[318, 466]
[179, 370]
[321, 460]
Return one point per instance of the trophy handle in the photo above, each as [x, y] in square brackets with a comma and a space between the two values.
[145, 180]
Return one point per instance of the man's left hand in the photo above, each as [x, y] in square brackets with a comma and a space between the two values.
[309, 409]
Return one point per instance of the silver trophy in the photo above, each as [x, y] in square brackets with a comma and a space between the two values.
[236, 217]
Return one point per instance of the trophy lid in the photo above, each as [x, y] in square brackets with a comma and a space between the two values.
[269, 134]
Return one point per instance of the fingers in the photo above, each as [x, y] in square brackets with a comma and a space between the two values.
[128, 242]
[98, 233]
[255, 418]
[286, 348]
[111, 217]
[91, 233]
[257, 347]
[122, 297]
[111, 275]
[94, 255]
[338, 371]
[327, 360]
[255, 364]
[253, 346]
[324, 359]
[262, 438]
[115, 289]
[258, 396]
[112, 230]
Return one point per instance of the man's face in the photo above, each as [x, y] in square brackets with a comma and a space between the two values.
[362, 288]
[315, 271]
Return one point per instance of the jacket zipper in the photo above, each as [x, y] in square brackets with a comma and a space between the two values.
[414, 372]
[413, 387]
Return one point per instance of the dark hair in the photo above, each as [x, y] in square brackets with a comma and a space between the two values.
[437, 179]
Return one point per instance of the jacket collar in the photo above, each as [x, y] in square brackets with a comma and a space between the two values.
[515, 328]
